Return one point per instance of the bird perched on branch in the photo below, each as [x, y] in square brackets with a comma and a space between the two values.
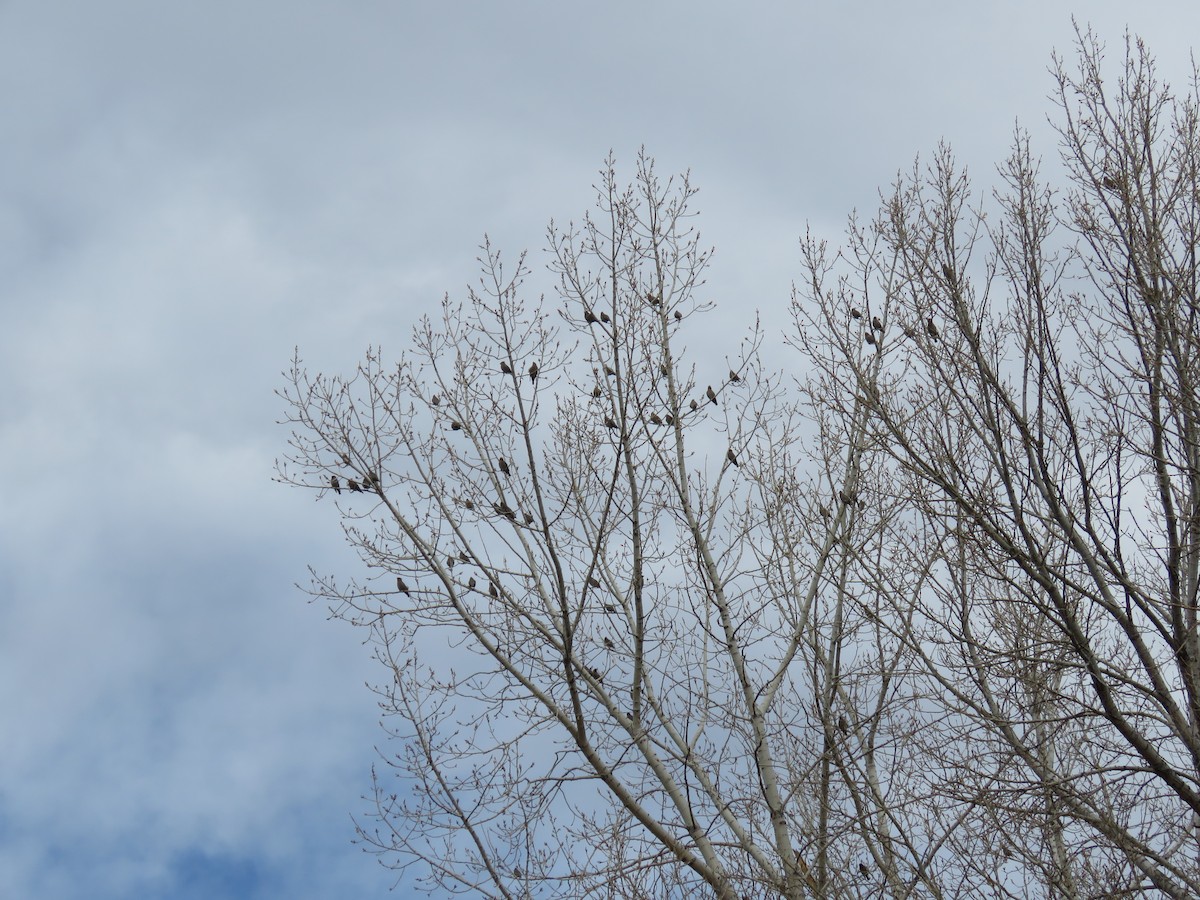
[456, 426]
[854, 313]
[876, 324]
[869, 337]
[493, 591]
[471, 583]
[504, 466]
[732, 457]
[711, 395]
[401, 586]
[505, 368]
[609, 371]
[354, 485]
[655, 420]
[589, 316]
[931, 329]
[435, 400]
[533, 371]
[609, 422]
[678, 316]
[604, 317]
[593, 581]
[694, 405]
[335, 484]
[734, 377]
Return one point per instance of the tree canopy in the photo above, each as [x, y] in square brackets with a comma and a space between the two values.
[916, 618]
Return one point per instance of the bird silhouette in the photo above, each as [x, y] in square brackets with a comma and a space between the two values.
[734, 377]
[435, 399]
[869, 337]
[592, 580]
[493, 591]
[843, 725]
[401, 586]
[604, 318]
[655, 420]
[346, 458]
[931, 329]
[505, 368]
[353, 485]
[528, 518]
[654, 299]
[596, 392]
[335, 484]
[609, 371]
[609, 422]
[533, 371]
[504, 466]
[456, 426]
[711, 394]
[876, 324]
[609, 608]
[732, 457]
[471, 583]
[824, 510]
[1109, 183]
[450, 562]
[694, 405]
[589, 316]
[678, 316]
[608, 643]
[863, 870]
[854, 313]
[669, 419]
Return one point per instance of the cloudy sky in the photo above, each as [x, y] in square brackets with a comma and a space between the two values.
[190, 190]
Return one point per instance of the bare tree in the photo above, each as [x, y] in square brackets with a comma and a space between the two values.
[1037, 398]
[920, 623]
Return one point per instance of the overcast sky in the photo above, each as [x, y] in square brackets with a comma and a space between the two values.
[189, 190]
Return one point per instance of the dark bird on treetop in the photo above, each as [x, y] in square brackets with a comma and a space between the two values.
[609, 422]
[654, 419]
[471, 583]
[589, 316]
[401, 586]
[654, 299]
[950, 274]
[596, 392]
[711, 394]
[504, 466]
[824, 510]
[608, 643]
[931, 329]
[435, 399]
[450, 561]
[843, 726]
[354, 485]
[678, 316]
[863, 870]
[876, 324]
[604, 317]
[869, 337]
[609, 371]
[533, 371]
[854, 313]
[695, 406]
[732, 457]
[335, 484]
[463, 556]
[346, 458]
[670, 419]
[592, 580]
[456, 426]
[734, 377]
[505, 368]
[492, 589]
[528, 518]
[469, 504]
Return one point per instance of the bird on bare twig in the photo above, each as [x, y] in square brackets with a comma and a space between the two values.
[609, 371]
[471, 583]
[869, 337]
[401, 586]
[655, 419]
[493, 591]
[854, 313]
[435, 400]
[863, 870]
[678, 316]
[711, 395]
[533, 371]
[589, 316]
[732, 457]
[609, 422]
[504, 466]
[824, 510]
[593, 582]
[608, 643]
[669, 419]
[346, 458]
[604, 318]
[694, 405]
[876, 324]
[335, 484]
[734, 377]
[931, 329]
[456, 426]
[596, 392]
[843, 725]
[505, 368]
[354, 485]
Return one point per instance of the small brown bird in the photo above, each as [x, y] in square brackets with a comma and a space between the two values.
[609, 422]
[678, 316]
[863, 870]
[595, 673]
[335, 484]
[931, 329]
[596, 392]
[1109, 183]
[346, 458]
[471, 583]
[463, 556]
[504, 466]
[662, 368]
[469, 504]
[528, 518]
[505, 368]
[401, 586]
[435, 399]
[951, 275]
[533, 371]
[869, 337]
[654, 299]
[734, 377]
[493, 591]
[450, 562]
[694, 405]
[592, 580]
[876, 324]
[604, 317]
[670, 419]
[824, 510]
[609, 371]
[608, 643]
[655, 420]
[854, 313]
[843, 725]
[456, 426]
[589, 316]
[371, 479]
[732, 457]
[711, 394]
[354, 485]
[609, 608]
